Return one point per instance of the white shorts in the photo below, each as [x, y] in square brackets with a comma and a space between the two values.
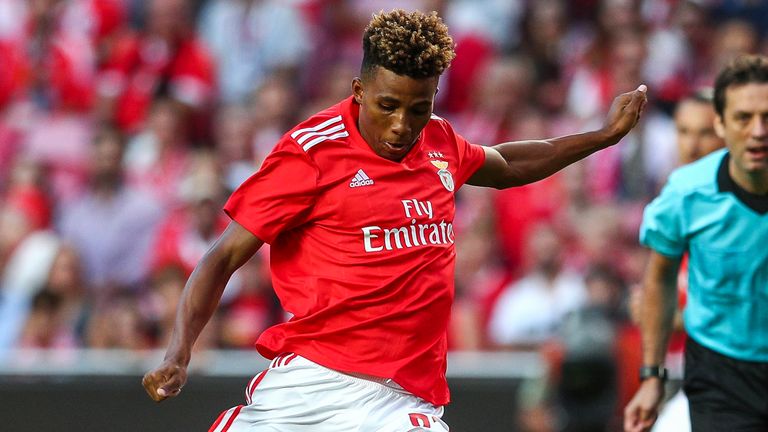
[295, 394]
[674, 416]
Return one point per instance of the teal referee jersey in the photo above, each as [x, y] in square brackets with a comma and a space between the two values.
[724, 230]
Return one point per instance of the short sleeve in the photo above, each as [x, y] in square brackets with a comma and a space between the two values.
[662, 226]
[471, 158]
[277, 198]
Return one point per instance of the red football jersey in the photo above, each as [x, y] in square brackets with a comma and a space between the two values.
[362, 248]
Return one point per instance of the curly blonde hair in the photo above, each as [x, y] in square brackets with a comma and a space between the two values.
[413, 44]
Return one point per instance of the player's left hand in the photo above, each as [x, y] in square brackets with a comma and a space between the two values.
[641, 412]
[625, 112]
[165, 381]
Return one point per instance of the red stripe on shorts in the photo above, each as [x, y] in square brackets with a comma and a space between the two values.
[255, 383]
[276, 361]
[248, 390]
[290, 358]
[232, 418]
[218, 420]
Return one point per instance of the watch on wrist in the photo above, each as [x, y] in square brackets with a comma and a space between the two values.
[653, 372]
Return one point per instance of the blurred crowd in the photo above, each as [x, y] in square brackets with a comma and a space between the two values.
[125, 124]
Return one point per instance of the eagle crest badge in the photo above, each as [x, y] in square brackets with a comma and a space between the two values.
[445, 175]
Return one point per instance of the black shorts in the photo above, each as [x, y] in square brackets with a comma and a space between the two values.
[725, 394]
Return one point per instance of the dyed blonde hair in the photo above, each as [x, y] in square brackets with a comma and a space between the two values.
[413, 44]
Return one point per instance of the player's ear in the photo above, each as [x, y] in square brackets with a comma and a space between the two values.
[719, 127]
[357, 89]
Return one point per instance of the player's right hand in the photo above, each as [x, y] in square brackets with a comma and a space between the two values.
[625, 111]
[641, 412]
[165, 381]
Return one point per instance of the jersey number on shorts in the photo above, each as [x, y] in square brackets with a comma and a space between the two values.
[419, 419]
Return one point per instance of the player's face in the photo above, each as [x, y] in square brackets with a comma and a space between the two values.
[393, 110]
[744, 127]
[695, 125]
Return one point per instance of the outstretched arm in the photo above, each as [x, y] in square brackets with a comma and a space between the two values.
[658, 303]
[522, 162]
[198, 302]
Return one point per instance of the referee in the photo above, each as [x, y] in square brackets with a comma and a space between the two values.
[716, 210]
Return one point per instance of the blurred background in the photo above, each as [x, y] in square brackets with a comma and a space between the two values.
[125, 124]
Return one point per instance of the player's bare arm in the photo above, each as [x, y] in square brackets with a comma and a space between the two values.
[198, 302]
[657, 309]
[518, 163]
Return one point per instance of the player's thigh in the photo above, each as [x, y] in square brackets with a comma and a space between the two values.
[299, 396]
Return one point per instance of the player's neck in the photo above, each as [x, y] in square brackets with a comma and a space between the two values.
[753, 182]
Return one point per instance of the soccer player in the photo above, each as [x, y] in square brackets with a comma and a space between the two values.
[357, 203]
[715, 211]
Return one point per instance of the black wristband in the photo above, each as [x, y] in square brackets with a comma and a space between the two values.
[653, 372]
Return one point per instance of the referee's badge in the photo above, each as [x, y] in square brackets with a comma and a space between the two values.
[445, 175]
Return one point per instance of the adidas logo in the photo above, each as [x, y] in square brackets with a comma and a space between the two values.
[360, 179]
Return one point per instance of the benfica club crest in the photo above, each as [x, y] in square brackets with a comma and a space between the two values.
[445, 175]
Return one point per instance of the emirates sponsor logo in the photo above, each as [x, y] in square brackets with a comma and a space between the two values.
[377, 239]
[410, 235]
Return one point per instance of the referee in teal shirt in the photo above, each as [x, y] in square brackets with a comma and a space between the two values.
[716, 211]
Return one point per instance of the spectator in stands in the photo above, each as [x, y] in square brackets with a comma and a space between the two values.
[552, 47]
[157, 158]
[252, 40]
[530, 310]
[164, 60]
[26, 245]
[695, 120]
[633, 170]
[587, 384]
[732, 39]
[186, 233]
[334, 30]
[599, 237]
[232, 138]
[578, 392]
[22, 276]
[49, 52]
[159, 303]
[111, 224]
[117, 324]
[156, 313]
[482, 29]
[497, 100]
[43, 322]
[479, 270]
[59, 311]
[52, 58]
[519, 210]
[253, 309]
[272, 112]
